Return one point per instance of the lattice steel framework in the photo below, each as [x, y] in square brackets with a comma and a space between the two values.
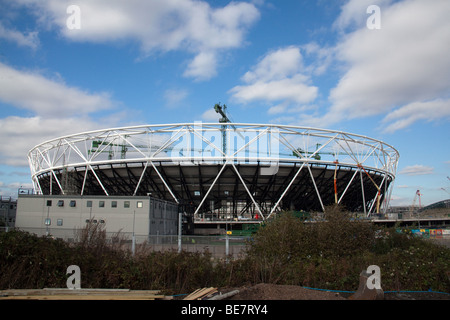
[261, 168]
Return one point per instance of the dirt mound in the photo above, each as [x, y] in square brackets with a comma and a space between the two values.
[265, 291]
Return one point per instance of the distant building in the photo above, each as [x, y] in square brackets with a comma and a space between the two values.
[401, 209]
[62, 215]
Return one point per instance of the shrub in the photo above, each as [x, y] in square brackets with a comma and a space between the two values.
[331, 252]
[28, 261]
[341, 234]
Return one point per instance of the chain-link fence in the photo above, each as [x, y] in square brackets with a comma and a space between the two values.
[219, 246]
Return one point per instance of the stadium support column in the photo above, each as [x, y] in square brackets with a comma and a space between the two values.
[362, 190]
[98, 180]
[164, 182]
[248, 192]
[140, 178]
[286, 190]
[315, 187]
[210, 188]
[346, 188]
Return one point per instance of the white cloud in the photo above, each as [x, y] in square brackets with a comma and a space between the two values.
[10, 189]
[203, 67]
[277, 78]
[406, 115]
[416, 170]
[23, 133]
[353, 13]
[276, 65]
[400, 71]
[34, 92]
[291, 89]
[388, 67]
[57, 110]
[277, 109]
[322, 58]
[174, 97]
[210, 116]
[157, 25]
[29, 39]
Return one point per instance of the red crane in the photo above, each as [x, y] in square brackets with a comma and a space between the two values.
[417, 195]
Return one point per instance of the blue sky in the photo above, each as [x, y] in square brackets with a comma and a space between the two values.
[307, 63]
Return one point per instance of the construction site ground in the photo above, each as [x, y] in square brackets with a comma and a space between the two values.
[265, 291]
[262, 291]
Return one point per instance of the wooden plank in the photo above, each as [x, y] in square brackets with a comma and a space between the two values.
[200, 293]
[80, 294]
[192, 295]
[75, 291]
[81, 297]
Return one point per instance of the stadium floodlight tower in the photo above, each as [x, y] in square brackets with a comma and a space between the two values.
[264, 168]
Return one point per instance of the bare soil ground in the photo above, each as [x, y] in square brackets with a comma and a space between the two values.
[265, 291]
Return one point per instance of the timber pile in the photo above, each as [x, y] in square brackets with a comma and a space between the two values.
[200, 294]
[80, 294]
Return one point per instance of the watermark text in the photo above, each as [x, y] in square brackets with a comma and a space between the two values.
[374, 20]
[73, 21]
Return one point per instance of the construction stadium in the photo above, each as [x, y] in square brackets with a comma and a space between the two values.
[220, 171]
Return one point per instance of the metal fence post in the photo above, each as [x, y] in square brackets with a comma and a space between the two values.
[180, 216]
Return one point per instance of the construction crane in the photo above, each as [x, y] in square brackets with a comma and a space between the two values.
[96, 144]
[417, 195]
[222, 110]
[300, 151]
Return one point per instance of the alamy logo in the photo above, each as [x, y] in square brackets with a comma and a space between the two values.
[374, 21]
[202, 144]
[374, 280]
[74, 281]
[73, 22]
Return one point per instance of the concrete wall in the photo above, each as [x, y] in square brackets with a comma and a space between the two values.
[163, 218]
[7, 212]
[144, 215]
